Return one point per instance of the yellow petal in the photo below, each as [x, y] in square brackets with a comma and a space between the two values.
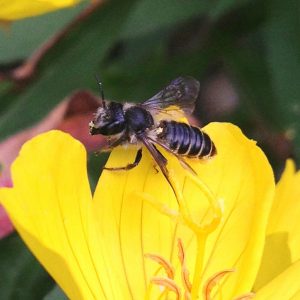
[49, 206]
[240, 176]
[102, 244]
[19, 9]
[284, 286]
[283, 236]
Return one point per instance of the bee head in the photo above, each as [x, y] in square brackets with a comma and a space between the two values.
[108, 119]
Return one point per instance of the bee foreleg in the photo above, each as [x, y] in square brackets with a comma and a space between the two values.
[112, 143]
[130, 166]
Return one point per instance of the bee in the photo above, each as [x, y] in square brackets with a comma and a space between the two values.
[155, 122]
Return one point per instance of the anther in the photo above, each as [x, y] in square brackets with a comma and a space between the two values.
[184, 270]
[164, 263]
[169, 284]
[212, 282]
[247, 296]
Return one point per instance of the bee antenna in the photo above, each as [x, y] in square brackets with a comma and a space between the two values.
[100, 89]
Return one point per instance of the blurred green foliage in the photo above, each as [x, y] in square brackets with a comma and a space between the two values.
[137, 47]
[21, 275]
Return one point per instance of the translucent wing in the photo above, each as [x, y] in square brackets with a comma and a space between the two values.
[180, 95]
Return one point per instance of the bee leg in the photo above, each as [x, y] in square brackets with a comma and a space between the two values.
[137, 160]
[155, 168]
[111, 145]
[186, 165]
[161, 158]
[180, 159]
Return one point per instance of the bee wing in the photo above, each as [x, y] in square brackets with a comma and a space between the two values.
[179, 97]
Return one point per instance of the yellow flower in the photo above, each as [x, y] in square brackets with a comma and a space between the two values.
[19, 9]
[133, 239]
[278, 277]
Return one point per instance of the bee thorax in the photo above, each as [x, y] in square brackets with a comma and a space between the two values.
[138, 119]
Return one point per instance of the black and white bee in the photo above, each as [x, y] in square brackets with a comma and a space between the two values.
[155, 122]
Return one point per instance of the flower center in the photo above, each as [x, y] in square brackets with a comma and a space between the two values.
[186, 215]
[180, 285]
[169, 283]
[183, 289]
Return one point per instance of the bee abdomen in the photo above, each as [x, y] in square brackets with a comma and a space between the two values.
[186, 140]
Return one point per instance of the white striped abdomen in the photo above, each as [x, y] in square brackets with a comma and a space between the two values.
[186, 140]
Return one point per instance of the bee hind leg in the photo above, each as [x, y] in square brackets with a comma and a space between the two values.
[130, 166]
[186, 165]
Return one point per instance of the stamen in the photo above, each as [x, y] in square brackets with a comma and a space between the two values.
[183, 214]
[197, 276]
[161, 207]
[212, 282]
[201, 231]
[213, 201]
[195, 226]
[169, 284]
[187, 296]
[164, 263]
[184, 271]
[247, 296]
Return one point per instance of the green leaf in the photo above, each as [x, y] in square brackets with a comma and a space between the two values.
[71, 65]
[249, 69]
[282, 43]
[21, 275]
[25, 35]
[95, 166]
[149, 15]
[221, 7]
[56, 294]
[151, 75]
